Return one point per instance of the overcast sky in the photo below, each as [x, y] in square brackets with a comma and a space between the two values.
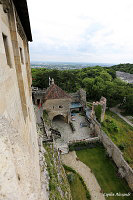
[81, 30]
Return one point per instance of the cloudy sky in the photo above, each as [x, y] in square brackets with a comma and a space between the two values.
[81, 30]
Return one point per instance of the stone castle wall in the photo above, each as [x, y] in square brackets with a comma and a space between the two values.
[57, 107]
[82, 94]
[79, 96]
[19, 160]
[75, 96]
[123, 168]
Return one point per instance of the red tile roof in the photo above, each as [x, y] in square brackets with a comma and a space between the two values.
[55, 92]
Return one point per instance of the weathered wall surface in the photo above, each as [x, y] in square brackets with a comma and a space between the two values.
[19, 159]
[79, 96]
[124, 169]
[75, 96]
[57, 107]
[82, 94]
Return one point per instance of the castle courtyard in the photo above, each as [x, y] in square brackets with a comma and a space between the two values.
[67, 134]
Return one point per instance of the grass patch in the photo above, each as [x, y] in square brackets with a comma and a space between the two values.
[105, 171]
[121, 134]
[46, 118]
[78, 188]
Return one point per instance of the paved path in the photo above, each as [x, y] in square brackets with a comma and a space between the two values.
[116, 111]
[85, 172]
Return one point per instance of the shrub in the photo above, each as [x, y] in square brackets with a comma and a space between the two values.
[52, 186]
[70, 177]
[112, 126]
[83, 145]
[122, 146]
[98, 112]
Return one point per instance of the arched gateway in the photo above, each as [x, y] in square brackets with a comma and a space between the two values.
[59, 117]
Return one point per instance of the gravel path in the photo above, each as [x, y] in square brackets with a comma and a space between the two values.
[116, 110]
[85, 172]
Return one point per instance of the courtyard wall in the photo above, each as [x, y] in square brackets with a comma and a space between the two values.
[114, 152]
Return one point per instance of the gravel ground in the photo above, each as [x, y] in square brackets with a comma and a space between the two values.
[85, 172]
[66, 132]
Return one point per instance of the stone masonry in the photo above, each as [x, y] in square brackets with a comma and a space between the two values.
[19, 153]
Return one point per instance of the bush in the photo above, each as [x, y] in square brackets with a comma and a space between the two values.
[98, 112]
[69, 169]
[112, 126]
[83, 145]
[70, 177]
[52, 186]
[122, 146]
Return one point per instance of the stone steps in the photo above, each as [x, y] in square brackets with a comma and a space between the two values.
[63, 147]
[41, 126]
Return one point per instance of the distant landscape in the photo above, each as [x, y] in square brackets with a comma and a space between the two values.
[66, 65]
[96, 80]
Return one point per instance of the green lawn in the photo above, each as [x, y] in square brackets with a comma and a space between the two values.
[121, 134]
[105, 172]
[78, 191]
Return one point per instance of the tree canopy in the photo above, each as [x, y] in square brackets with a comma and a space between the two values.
[97, 81]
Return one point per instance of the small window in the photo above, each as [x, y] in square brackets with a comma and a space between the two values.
[5, 40]
[21, 55]
[53, 107]
[60, 106]
[38, 101]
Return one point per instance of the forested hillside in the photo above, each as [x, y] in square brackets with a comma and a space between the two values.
[97, 81]
[123, 68]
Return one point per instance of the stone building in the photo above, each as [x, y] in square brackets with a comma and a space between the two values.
[57, 102]
[19, 159]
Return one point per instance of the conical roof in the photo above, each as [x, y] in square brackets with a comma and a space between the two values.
[55, 92]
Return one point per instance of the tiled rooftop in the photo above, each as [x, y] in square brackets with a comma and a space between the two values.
[55, 92]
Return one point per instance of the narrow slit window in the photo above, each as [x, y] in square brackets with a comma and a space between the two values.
[21, 55]
[5, 40]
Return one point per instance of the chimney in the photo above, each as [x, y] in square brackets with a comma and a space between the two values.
[49, 81]
[52, 81]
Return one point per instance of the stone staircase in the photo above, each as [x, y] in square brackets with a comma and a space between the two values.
[64, 149]
[61, 146]
[42, 129]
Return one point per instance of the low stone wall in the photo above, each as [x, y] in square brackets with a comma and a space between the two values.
[94, 139]
[123, 168]
[43, 167]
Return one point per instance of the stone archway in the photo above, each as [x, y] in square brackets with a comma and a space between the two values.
[59, 117]
[60, 124]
